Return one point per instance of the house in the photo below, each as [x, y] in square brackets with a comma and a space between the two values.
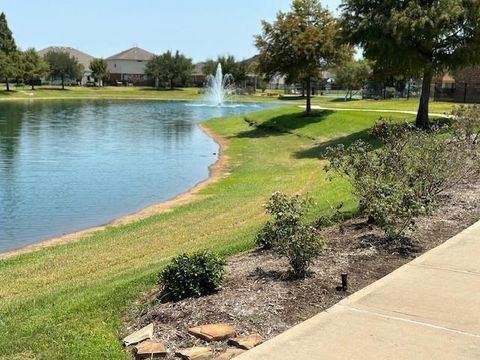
[82, 58]
[467, 84]
[129, 66]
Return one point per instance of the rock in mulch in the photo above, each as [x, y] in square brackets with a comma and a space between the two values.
[213, 332]
[230, 354]
[246, 342]
[145, 333]
[195, 353]
[150, 350]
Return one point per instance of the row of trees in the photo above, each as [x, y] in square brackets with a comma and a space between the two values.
[17, 65]
[400, 37]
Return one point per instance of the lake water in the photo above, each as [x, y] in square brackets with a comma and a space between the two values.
[70, 165]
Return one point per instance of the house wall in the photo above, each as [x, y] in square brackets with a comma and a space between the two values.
[126, 66]
[467, 85]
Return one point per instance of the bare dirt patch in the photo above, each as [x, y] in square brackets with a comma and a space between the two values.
[258, 296]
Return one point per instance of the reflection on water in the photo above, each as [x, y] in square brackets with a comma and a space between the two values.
[69, 165]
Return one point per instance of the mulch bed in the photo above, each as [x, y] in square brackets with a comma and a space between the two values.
[259, 297]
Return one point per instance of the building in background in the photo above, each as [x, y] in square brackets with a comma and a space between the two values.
[128, 67]
[82, 58]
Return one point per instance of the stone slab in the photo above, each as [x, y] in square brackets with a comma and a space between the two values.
[195, 353]
[213, 332]
[144, 333]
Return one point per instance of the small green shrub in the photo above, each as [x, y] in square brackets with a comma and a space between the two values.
[300, 243]
[287, 213]
[301, 248]
[191, 275]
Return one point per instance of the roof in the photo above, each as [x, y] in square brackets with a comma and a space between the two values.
[135, 53]
[81, 57]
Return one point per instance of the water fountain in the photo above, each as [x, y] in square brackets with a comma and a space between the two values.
[219, 87]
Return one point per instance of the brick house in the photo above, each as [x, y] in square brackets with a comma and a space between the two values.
[82, 58]
[129, 66]
[467, 84]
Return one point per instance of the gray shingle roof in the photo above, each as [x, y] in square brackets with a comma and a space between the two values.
[134, 53]
[81, 57]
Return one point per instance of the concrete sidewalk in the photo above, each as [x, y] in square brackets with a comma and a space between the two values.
[427, 309]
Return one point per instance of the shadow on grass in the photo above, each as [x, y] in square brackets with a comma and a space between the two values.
[161, 89]
[318, 151]
[283, 124]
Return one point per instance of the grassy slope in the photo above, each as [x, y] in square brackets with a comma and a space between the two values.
[192, 94]
[66, 302]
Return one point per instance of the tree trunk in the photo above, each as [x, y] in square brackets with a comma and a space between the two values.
[8, 85]
[33, 84]
[309, 96]
[422, 114]
[63, 82]
[171, 84]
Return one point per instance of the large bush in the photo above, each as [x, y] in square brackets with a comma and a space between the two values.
[401, 180]
[191, 275]
[299, 242]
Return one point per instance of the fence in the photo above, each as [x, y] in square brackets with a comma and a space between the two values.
[461, 92]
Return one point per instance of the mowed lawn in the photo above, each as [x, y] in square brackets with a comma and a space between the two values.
[146, 93]
[67, 302]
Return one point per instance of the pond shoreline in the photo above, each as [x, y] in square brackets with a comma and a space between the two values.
[217, 171]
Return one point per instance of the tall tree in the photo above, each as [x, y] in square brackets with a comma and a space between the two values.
[300, 44]
[63, 65]
[169, 68]
[9, 48]
[352, 75]
[100, 71]
[11, 67]
[34, 67]
[426, 37]
[238, 69]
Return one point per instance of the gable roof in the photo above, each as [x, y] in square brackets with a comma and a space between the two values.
[134, 53]
[82, 58]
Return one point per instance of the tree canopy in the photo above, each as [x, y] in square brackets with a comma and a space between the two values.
[300, 43]
[7, 42]
[230, 65]
[352, 75]
[169, 68]
[34, 67]
[9, 57]
[417, 37]
[63, 65]
[99, 69]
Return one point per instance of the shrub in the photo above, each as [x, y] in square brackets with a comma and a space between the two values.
[402, 180]
[287, 213]
[191, 275]
[301, 248]
[300, 243]
[466, 123]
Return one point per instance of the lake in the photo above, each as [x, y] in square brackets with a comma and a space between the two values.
[67, 165]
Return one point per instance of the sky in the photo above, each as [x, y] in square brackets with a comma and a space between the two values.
[201, 29]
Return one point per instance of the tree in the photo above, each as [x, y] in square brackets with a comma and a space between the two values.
[238, 69]
[300, 44]
[63, 65]
[9, 48]
[34, 67]
[100, 71]
[352, 75]
[11, 67]
[424, 37]
[169, 68]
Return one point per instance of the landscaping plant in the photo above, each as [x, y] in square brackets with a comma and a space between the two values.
[402, 180]
[299, 242]
[191, 275]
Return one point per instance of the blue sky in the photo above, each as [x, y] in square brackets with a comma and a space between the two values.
[199, 28]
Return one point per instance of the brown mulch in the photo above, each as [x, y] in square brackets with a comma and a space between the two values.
[259, 297]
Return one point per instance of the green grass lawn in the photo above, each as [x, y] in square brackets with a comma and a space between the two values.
[121, 92]
[66, 302]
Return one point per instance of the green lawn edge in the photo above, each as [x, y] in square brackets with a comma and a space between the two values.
[67, 301]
